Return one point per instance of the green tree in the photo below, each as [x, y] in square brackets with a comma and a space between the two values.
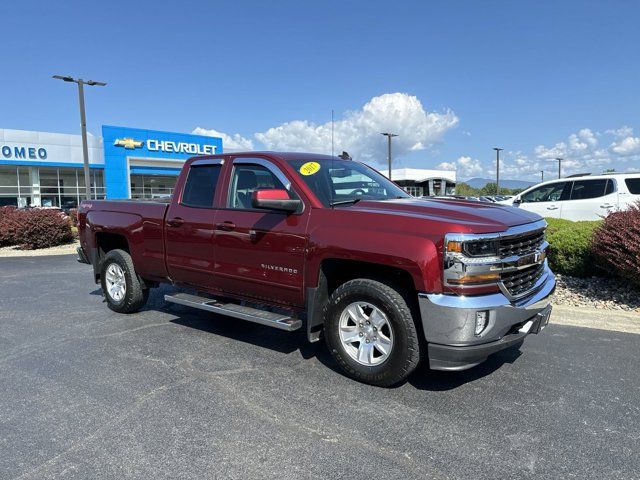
[466, 190]
[490, 189]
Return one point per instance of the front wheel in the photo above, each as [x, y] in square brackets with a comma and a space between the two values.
[370, 331]
[120, 284]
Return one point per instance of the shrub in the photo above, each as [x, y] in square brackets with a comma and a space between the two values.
[44, 228]
[10, 225]
[616, 244]
[73, 217]
[570, 251]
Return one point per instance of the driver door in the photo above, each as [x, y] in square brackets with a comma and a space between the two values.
[545, 200]
[259, 253]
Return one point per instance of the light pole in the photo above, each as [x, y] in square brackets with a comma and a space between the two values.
[83, 123]
[498, 150]
[542, 175]
[559, 166]
[389, 137]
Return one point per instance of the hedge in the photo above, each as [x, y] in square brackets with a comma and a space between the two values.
[32, 229]
[616, 244]
[570, 247]
[10, 222]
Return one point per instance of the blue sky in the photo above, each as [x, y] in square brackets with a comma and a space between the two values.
[454, 79]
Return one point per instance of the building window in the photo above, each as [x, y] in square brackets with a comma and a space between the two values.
[15, 187]
[65, 187]
[152, 186]
[415, 191]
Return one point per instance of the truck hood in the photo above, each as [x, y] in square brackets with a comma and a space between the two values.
[459, 215]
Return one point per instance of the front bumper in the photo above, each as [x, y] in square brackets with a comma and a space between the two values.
[449, 323]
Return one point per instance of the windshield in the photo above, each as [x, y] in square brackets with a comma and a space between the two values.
[339, 181]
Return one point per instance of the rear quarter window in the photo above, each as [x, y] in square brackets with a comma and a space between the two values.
[633, 184]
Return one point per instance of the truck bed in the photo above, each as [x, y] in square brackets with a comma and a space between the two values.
[140, 221]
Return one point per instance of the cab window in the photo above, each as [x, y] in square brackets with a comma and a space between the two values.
[585, 189]
[546, 193]
[247, 179]
[200, 186]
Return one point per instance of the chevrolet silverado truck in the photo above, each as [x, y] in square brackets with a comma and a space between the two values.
[329, 245]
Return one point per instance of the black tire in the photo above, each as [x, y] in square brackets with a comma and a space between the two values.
[135, 296]
[405, 353]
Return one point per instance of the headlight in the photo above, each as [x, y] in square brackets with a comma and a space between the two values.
[471, 262]
[481, 249]
[477, 248]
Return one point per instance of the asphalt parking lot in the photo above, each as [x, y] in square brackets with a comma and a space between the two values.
[174, 393]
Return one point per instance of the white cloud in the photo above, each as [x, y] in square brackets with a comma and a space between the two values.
[447, 166]
[626, 146]
[621, 132]
[582, 152]
[234, 142]
[359, 131]
[464, 166]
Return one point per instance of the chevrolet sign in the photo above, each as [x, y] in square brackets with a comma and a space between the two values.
[166, 146]
[180, 147]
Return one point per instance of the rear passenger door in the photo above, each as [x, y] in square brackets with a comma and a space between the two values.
[590, 199]
[189, 226]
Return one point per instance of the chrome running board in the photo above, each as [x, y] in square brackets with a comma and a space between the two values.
[255, 315]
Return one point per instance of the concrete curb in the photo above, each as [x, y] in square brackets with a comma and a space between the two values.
[615, 320]
[69, 249]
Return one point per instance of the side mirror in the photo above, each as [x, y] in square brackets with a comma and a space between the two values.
[274, 199]
[517, 201]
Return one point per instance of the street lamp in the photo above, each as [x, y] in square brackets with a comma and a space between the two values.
[542, 175]
[498, 150]
[389, 136]
[559, 166]
[83, 122]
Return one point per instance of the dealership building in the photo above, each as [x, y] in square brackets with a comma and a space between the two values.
[425, 183]
[46, 169]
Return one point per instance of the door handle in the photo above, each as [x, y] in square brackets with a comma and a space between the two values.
[226, 226]
[606, 205]
[553, 207]
[175, 222]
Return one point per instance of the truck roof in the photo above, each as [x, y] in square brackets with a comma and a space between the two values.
[287, 156]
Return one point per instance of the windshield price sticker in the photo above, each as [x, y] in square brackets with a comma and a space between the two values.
[310, 168]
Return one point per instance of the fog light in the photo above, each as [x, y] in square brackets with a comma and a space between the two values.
[482, 319]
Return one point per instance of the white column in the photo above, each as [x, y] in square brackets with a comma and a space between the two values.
[34, 180]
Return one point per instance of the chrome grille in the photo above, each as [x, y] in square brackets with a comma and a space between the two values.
[521, 281]
[520, 245]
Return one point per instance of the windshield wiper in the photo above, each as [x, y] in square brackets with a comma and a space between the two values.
[345, 202]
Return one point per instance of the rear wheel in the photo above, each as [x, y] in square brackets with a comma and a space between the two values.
[369, 330]
[120, 284]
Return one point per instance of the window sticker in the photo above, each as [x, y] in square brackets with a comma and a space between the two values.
[310, 168]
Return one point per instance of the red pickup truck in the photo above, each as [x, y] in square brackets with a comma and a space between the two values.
[328, 244]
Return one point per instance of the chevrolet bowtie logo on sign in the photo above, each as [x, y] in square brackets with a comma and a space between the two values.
[128, 143]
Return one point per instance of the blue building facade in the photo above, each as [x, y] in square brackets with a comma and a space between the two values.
[136, 160]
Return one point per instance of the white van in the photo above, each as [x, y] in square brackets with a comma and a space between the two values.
[584, 197]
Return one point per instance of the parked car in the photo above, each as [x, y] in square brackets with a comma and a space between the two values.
[292, 240]
[587, 197]
[486, 198]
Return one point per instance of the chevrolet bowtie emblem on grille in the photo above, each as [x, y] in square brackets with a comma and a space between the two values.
[128, 143]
